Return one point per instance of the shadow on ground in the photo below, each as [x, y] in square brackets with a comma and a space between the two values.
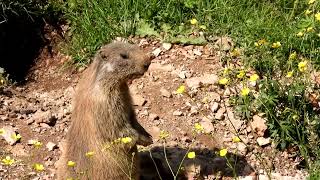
[207, 164]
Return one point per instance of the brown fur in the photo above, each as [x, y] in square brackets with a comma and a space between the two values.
[102, 113]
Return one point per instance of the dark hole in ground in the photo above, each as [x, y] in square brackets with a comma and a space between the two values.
[22, 37]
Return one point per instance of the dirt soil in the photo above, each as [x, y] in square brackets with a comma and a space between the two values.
[40, 110]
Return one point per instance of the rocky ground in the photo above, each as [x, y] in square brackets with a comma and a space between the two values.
[40, 110]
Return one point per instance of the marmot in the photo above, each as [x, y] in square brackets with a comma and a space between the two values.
[102, 115]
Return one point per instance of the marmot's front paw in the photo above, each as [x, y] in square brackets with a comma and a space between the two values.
[145, 140]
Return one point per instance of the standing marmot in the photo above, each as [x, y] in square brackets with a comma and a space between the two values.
[102, 115]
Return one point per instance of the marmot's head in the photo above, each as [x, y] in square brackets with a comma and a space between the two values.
[122, 61]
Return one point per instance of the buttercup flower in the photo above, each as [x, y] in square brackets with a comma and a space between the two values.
[309, 29]
[260, 42]
[241, 74]
[191, 155]
[223, 152]
[16, 136]
[203, 27]
[223, 81]
[8, 161]
[235, 53]
[254, 78]
[311, 1]
[226, 71]
[90, 154]
[126, 140]
[38, 167]
[307, 12]
[300, 34]
[289, 74]
[198, 127]
[163, 134]
[292, 56]
[71, 163]
[236, 139]
[37, 144]
[2, 131]
[245, 91]
[276, 45]
[317, 16]
[302, 66]
[181, 89]
[193, 21]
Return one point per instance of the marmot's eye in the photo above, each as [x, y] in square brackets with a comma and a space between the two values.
[124, 55]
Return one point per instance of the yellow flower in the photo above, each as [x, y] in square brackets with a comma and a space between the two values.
[70, 178]
[71, 163]
[300, 34]
[126, 140]
[245, 91]
[226, 71]
[311, 1]
[90, 154]
[302, 66]
[38, 167]
[260, 42]
[236, 139]
[276, 45]
[198, 127]
[307, 12]
[181, 89]
[223, 152]
[223, 81]
[235, 53]
[163, 134]
[203, 27]
[241, 74]
[16, 136]
[289, 74]
[317, 16]
[191, 155]
[309, 29]
[253, 78]
[292, 56]
[36, 143]
[193, 21]
[2, 131]
[8, 161]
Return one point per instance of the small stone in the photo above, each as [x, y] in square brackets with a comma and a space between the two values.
[9, 134]
[29, 121]
[18, 150]
[263, 141]
[197, 52]
[177, 113]
[156, 52]
[207, 125]
[220, 114]
[155, 132]
[259, 125]
[208, 79]
[193, 82]
[214, 107]
[51, 146]
[242, 148]
[227, 92]
[236, 122]
[182, 74]
[167, 46]
[138, 100]
[165, 93]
